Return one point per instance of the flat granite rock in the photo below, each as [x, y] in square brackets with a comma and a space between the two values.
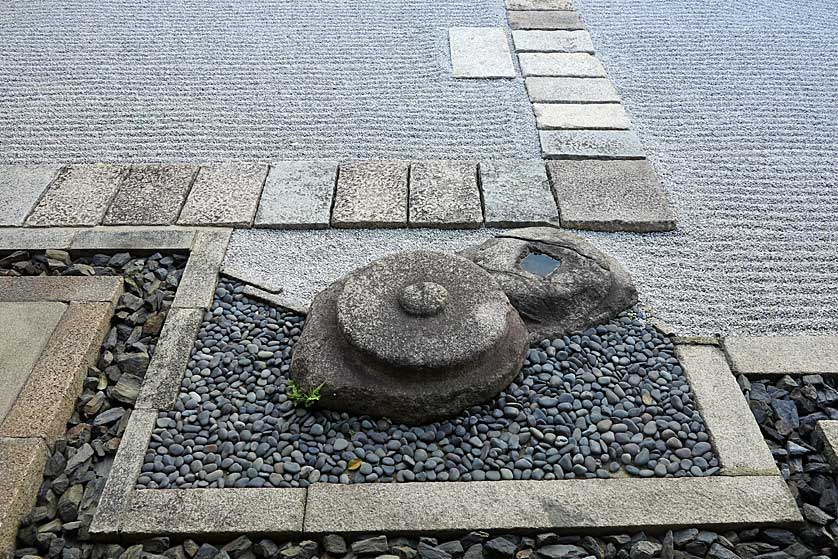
[590, 144]
[580, 116]
[560, 283]
[151, 194]
[414, 337]
[552, 41]
[610, 196]
[480, 52]
[224, 194]
[567, 64]
[571, 90]
[516, 193]
[21, 187]
[298, 194]
[371, 194]
[444, 194]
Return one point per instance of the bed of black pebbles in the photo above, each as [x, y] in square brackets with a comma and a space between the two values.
[612, 400]
[51, 531]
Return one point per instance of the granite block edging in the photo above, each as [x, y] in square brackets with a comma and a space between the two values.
[197, 285]
[23, 464]
[65, 289]
[782, 355]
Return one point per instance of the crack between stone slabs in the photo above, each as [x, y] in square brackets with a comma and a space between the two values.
[479, 180]
[252, 223]
[186, 194]
[43, 194]
[407, 188]
[334, 195]
[124, 173]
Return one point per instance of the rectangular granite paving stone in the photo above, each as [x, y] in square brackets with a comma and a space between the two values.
[197, 285]
[444, 194]
[552, 41]
[614, 504]
[782, 355]
[161, 383]
[46, 401]
[224, 194]
[298, 194]
[572, 90]
[151, 194]
[546, 20]
[214, 512]
[25, 329]
[23, 465]
[21, 187]
[27, 238]
[516, 193]
[567, 64]
[480, 52]
[133, 238]
[80, 289]
[590, 144]
[610, 195]
[79, 195]
[539, 4]
[582, 116]
[734, 432]
[371, 194]
[124, 472]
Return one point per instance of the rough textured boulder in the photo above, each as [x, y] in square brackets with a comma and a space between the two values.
[587, 287]
[414, 337]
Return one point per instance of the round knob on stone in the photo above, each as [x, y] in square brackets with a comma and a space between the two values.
[423, 299]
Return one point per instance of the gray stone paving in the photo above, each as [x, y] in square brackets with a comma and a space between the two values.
[583, 116]
[552, 41]
[610, 196]
[298, 194]
[539, 4]
[21, 187]
[270, 80]
[480, 52]
[151, 194]
[575, 65]
[547, 20]
[594, 144]
[371, 194]
[24, 332]
[516, 193]
[444, 194]
[572, 90]
[224, 194]
[782, 355]
[78, 196]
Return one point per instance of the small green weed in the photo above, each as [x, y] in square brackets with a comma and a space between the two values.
[301, 397]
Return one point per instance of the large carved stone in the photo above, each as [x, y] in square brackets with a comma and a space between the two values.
[414, 337]
[559, 282]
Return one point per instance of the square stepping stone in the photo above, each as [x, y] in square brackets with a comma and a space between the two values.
[553, 41]
[516, 193]
[573, 64]
[610, 196]
[151, 194]
[539, 4]
[21, 187]
[224, 194]
[371, 194]
[298, 194]
[480, 52]
[591, 116]
[783, 355]
[572, 90]
[541, 19]
[78, 196]
[444, 194]
[590, 144]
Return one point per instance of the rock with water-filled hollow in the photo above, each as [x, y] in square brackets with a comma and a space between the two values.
[413, 337]
[559, 282]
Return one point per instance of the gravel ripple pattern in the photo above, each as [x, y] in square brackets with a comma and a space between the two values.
[610, 401]
[250, 80]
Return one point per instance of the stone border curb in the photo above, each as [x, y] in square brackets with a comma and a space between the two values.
[567, 505]
[782, 355]
[162, 379]
[197, 285]
[732, 427]
[748, 491]
[23, 461]
[78, 289]
[827, 432]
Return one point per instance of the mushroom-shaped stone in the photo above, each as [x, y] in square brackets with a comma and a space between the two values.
[559, 282]
[414, 337]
